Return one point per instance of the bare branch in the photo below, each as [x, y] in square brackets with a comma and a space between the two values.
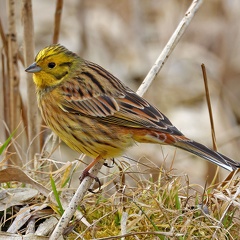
[77, 198]
[181, 28]
[58, 14]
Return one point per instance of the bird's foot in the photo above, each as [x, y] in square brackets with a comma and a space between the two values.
[88, 174]
[110, 166]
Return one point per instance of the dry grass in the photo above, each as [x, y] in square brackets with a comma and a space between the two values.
[129, 204]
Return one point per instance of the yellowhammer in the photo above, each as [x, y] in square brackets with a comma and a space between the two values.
[96, 114]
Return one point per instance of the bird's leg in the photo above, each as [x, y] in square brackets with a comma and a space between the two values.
[86, 172]
[110, 166]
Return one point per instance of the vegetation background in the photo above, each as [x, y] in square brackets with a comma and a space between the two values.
[126, 37]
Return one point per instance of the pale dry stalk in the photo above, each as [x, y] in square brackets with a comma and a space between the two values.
[13, 74]
[32, 111]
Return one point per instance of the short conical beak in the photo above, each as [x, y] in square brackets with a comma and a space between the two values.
[33, 68]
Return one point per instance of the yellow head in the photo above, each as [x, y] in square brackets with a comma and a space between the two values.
[52, 65]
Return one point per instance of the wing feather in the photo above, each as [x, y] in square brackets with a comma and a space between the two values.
[125, 108]
[96, 93]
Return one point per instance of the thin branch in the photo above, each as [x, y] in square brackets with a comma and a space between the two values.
[75, 201]
[57, 22]
[3, 37]
[209, 107]
[212, 172]
[181, 28]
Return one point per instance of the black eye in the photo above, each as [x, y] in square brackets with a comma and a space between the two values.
[51, 65]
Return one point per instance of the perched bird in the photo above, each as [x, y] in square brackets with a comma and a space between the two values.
[95, 113]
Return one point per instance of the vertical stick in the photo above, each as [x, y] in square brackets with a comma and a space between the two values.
[212, 171]
[57, 22]
[4, 84]
[13, 73]
[209, 107]
[32, 110]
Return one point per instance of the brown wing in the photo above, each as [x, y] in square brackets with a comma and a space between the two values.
[106, 98]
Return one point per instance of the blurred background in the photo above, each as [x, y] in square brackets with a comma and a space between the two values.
[126, 37]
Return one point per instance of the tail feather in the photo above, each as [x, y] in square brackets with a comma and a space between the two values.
[208, 154]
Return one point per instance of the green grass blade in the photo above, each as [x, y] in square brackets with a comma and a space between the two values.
[4, 146]
[56, 194]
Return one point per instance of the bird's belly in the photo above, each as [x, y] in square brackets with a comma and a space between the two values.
[90, 136]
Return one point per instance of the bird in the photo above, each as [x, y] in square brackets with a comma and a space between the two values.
[95, 113]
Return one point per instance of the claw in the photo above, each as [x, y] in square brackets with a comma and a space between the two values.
[87, 174]
[110, 166]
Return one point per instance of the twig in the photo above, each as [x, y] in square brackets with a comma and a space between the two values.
[157, 233]
[209, 107]
[181, 28]
[213, 175]
[32, 111]
[58, 14]
[3, 37]
[82, 189]
[77, 198]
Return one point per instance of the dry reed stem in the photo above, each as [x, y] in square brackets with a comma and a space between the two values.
[3, 74]
[32, 111]
[13, 73]
[57, 21]
[3, 37]
[209, 107]
[2, 93]
[84, 186]
[212, 173]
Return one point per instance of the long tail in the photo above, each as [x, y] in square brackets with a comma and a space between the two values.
[208, 154]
